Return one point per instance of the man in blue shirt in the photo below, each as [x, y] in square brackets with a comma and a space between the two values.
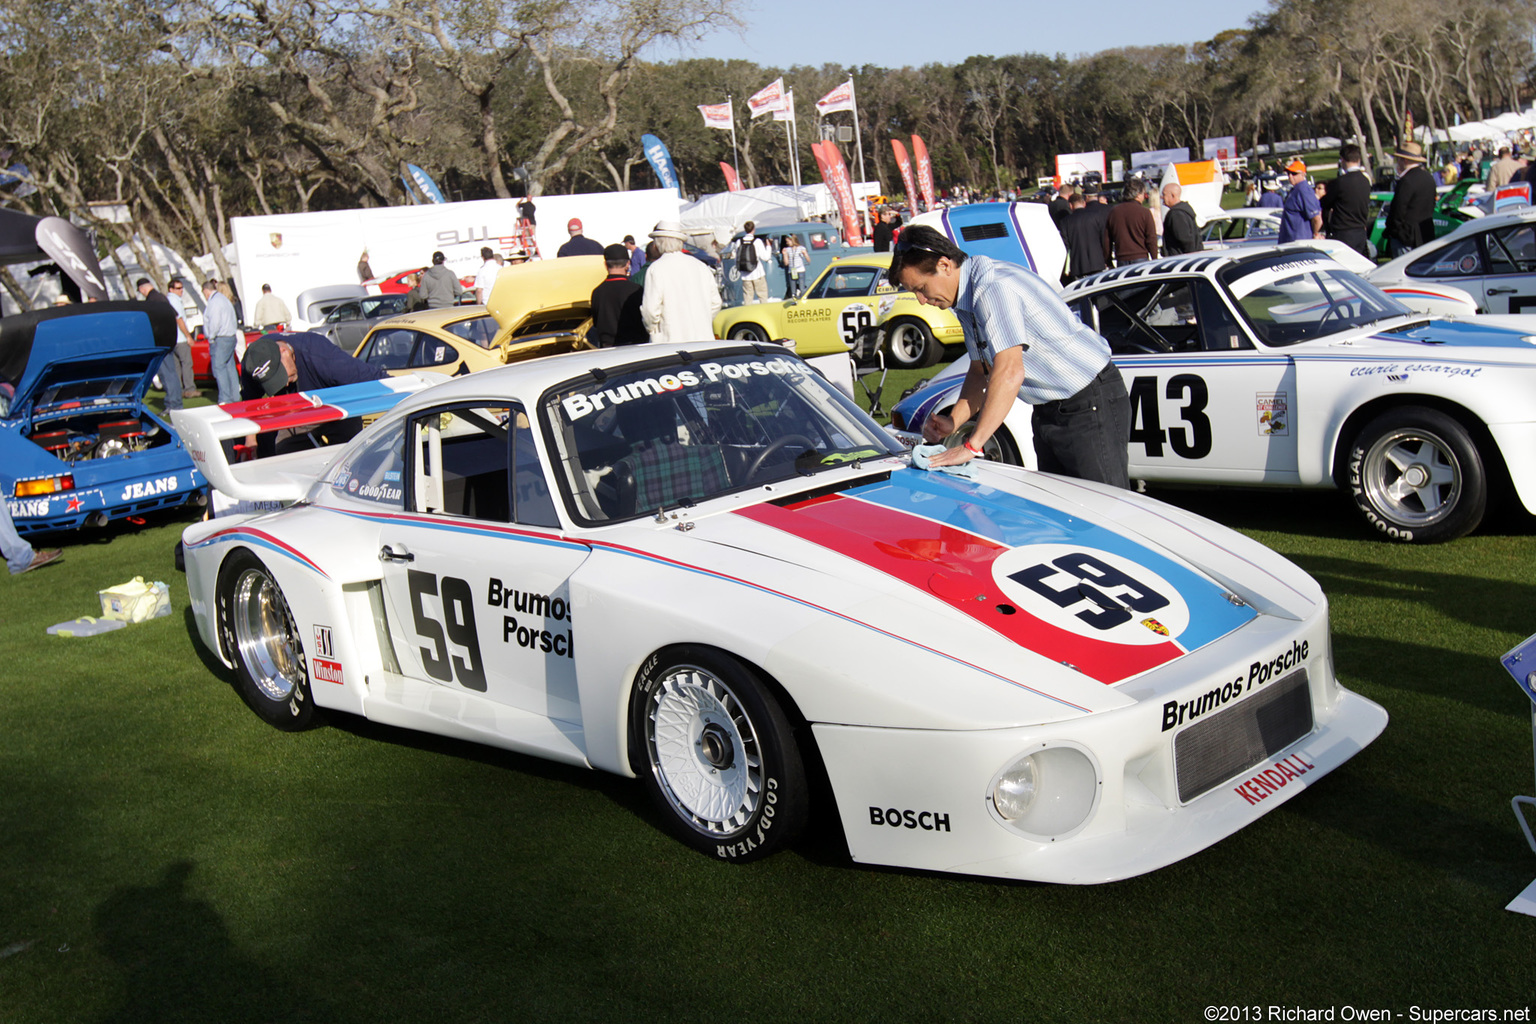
[1301, 215]
[1025, 344]
[220, 325]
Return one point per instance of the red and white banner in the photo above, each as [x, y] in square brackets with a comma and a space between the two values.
[767, 99]
[835, 173]
[788, 111]
[732, 179]
[905, 166]
[924, 173]
[840, 98]
[718, 115]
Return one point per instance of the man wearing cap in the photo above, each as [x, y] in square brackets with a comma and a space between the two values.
[440, 286]
[1410, 218]
[616, 304]
[277, 364]
[1301, 215]
[578, 244]
[681, 297]
[1025, 344]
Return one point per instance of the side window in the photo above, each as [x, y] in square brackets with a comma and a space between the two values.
[390, 349]
[1219, 329]
[847, 282]
[1512, 250]
[481, 330]
[1156, 316]
[532, 503]
[432, 351]
[462, 463]
[1460, 259]
[480, 462]
[376, 473]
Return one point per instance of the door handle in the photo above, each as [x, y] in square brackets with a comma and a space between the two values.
[395, 553]
[1502, 291]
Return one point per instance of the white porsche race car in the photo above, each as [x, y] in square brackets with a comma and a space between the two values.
[1283, 368]
[703, 566]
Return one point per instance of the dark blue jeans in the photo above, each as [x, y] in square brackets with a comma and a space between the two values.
[1088, 435]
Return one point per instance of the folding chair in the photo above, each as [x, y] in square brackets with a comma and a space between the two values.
[862, 374]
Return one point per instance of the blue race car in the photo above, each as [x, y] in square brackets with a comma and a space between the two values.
[77, 445]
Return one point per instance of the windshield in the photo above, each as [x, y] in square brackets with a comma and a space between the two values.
[1292, 298]
[677, 433]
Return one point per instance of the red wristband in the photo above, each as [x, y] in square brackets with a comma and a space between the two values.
[970, 448]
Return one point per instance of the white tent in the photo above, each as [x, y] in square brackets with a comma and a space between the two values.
[771, 204]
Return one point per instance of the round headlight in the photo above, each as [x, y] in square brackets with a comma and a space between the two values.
[1049, 792]
[1015, 789]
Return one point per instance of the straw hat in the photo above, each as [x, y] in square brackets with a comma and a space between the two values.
[1411, 152]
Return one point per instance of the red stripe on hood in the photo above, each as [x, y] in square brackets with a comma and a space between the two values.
[955, 567]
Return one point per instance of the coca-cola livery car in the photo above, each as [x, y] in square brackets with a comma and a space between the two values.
[702, 565]
[78, 446]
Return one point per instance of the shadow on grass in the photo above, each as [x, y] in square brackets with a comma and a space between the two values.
[179, 963]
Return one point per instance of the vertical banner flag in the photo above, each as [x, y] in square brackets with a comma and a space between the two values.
[661, 160]
[840, 98]
[924, 172]
[717, 115]
[835, 172]
[732, 179]
[905, 166]
[768, 99]
[424, 184]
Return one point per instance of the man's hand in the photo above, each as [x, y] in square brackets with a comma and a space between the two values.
[957, 456]
[938, 427]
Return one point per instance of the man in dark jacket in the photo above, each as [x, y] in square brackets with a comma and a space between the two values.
[616, 304]
[1086, 239]
[1347, 207]
[1181, 233]
[278, 364]
[1410, 219]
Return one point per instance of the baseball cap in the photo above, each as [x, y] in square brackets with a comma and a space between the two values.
[615, 253]
[1296, 167]
[264, 361]
[574, 225]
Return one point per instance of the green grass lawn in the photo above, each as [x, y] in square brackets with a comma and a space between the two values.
[165, 856]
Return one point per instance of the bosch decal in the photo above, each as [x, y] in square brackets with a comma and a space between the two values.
[1176, 713]
[928, 821]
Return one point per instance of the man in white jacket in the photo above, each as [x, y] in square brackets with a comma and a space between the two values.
[681, 298]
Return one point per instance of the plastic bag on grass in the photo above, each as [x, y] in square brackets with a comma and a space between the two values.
[135, 601]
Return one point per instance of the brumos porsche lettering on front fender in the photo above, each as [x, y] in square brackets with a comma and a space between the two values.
[1176, 713]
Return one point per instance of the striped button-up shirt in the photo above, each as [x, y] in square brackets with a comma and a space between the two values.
[1003, 305]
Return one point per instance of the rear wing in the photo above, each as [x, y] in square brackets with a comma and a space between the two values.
[204, 429]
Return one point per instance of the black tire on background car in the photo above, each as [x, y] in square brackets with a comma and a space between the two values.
[258, 632]
[1417, 476]
[1000, 447]
[747, 331]
[717, 754]
[909, 344]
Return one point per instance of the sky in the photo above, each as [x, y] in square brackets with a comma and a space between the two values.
[898, 33]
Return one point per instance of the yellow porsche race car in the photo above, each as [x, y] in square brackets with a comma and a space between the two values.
[536, 309]
[849, 306]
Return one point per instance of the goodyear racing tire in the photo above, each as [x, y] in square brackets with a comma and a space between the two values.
[747, 331]
[910, 345]
[1417, 476]
[258, 632]
[717, 754]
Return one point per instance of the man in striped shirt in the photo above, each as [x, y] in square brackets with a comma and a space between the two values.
[1024, 343]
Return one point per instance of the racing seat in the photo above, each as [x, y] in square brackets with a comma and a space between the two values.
[661, 470]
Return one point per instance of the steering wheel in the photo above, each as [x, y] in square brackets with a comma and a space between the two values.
[1334, 307]
[776, 446]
